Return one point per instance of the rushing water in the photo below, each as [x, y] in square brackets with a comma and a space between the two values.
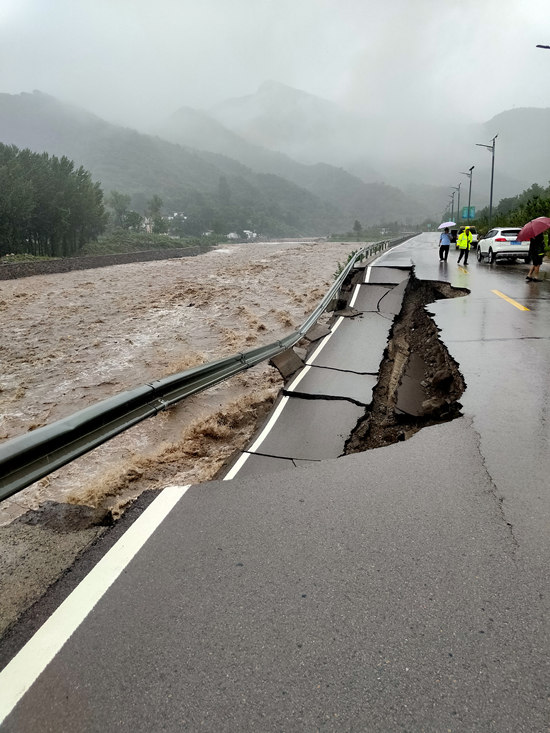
[72, 339]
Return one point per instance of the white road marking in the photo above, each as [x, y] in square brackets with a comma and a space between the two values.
[239, 463]
[38, 652]
[271, 422]
[265, 432]
[354, 296]
[325, 341]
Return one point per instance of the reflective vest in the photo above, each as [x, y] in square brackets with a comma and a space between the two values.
[464, 239]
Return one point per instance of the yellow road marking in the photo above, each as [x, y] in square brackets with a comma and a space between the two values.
[513, 302]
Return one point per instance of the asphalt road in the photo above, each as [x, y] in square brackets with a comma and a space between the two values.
[400, 589]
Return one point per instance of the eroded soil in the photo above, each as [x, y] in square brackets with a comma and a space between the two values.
[419, 382]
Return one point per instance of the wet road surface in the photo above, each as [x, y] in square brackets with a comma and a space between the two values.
[400, 589]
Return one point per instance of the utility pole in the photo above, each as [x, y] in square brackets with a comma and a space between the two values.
[457, 188]
[492, 149]
[452, 196]
[469, 174]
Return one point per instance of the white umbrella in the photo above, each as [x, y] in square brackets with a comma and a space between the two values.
[447, 224]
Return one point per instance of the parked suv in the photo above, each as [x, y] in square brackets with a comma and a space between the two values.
[503, 244]
[457, 232]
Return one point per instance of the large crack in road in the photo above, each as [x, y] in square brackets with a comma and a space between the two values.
[419, 382]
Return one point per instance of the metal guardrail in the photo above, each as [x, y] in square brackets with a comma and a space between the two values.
[28, 458]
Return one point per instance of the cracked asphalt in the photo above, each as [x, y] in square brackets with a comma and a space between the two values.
[403, 588]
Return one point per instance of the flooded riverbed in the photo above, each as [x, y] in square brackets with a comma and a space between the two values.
[73, 339]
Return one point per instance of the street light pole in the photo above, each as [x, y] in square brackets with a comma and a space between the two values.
[457, 188]
[452, 196]
[492, 149]
[469, 174]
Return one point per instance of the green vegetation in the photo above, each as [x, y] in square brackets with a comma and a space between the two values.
[47, 207]
[341, 267]
[389, 230]
[516, 211]
[23, 257]
[121, 241]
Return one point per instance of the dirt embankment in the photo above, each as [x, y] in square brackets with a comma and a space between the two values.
[16, 270]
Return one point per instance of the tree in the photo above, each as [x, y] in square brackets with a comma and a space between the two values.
[357, 228]
[153, 211]
[46, 206]
[154, 207]
[119, 203]
[133, 220]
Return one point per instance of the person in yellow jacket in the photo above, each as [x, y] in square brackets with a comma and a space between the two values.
[463, 243]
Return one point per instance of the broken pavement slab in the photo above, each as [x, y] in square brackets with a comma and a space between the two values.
[369, 296]
[324, 402]
[317, 332]
[387, 275]
[320, 382]
[288, 363]
[290, 438]
[358, 346]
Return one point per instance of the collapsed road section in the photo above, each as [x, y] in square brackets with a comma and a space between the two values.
[376, 375]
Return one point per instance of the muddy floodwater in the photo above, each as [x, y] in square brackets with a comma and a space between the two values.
[72, 339]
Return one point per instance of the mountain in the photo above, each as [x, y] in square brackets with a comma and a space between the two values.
[209, 185]
[368, 202]
[264, 190]
[305, 127]
[523, 143]
[399, 151]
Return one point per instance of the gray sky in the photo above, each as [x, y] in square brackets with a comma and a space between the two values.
[134, 61]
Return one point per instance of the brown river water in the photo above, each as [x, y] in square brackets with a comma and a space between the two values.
[72, 339]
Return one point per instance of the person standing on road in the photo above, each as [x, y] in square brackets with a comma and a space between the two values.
[444, 244]
[464, 242]
[536, 255]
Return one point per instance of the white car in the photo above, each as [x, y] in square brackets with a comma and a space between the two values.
[502, 243]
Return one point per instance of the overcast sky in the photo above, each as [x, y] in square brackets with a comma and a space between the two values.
[134, 61]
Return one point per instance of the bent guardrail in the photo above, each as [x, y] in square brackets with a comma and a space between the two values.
[28, 458]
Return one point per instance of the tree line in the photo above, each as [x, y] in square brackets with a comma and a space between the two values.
[515, 211]
[48, 207]
[51, 208]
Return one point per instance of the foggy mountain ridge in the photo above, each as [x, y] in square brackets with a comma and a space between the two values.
[395, 150]
[196, 129]
[192, 150]
[301, 125]
[523, 142]
[142, 165]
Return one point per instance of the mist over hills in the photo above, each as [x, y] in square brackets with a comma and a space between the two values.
[290, 162]
[278, 195]
[398, 151]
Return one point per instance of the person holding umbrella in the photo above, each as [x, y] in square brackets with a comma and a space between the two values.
[536, 254]
[533, 232]
[444, 244]
[445, 240]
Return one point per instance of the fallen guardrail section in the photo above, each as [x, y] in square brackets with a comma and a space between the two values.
[28, 458]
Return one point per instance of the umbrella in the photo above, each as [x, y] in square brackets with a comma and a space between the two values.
[534, 227]
[447, 224]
